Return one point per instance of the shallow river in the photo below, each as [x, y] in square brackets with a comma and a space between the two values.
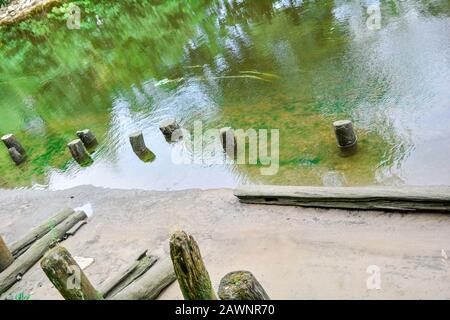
[295, 66]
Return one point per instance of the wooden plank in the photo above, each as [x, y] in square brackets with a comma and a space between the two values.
[20, 246]
[124, 278]
[407, 199]
[22, 264]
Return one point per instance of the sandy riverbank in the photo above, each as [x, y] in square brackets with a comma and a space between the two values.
[18, 10]
[296, 253]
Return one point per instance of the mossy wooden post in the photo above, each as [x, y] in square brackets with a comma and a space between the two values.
[6, 257]
[241, 285]
[79, 152]
[140, 149]
[67, 276]
[346, 137]
[88, 138]
[168, 127]
[16, 156]
[10, 141]
[190, 270]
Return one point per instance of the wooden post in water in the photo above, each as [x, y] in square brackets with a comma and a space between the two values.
[168, 127]
[88, 138]
[10, 141]
[346, 137]
[228, 139]
[190, 270]
[67, 276]
[140, 149]
[6, 257]
[16, 156]
[241, 285]
[79, 152]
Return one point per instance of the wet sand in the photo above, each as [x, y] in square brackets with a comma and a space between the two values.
[296, 253]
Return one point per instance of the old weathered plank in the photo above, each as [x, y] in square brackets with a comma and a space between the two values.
[408, 199]
[241, 285]
[151, 284]
[124, 278]
[21, 245]
[23, 263]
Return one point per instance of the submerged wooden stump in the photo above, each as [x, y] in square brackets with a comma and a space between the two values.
[10, 141]
[6, 257]
[190, 270]
[229, 142]
[79, 152]
[139, 148]
[168, 127]
[88, 138]
[346, 137]
[16, 156]
[67, 276]
[241, 285]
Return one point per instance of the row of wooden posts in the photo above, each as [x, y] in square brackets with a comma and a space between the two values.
[145, 278]
[80, 148]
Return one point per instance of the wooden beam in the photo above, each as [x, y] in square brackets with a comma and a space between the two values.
[405, 199]
[241, 285]
[22, 264]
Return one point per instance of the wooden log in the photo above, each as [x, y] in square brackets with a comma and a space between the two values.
[140, 149]
[169, 126]
[229, 142]
[6, 257]
[74, 229]
[408, 199]
[88, 138]
[151, 284]
[16, 156]
[23, 263]
[10, 141]
[123, 279]
[67, 276]
[346, 137]
[21, 245]
[79, 152]
[241, 285]
[190, 270]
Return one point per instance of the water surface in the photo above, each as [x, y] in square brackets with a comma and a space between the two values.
[295, 66]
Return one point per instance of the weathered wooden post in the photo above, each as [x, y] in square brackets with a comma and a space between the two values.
[190, 270]
[79, 152]
[346, 137]
[88, 138]
[16, 156]
[140, 149]
[241, 285]
[6, 257]
[10, 141]
[67, 276]
[168, 127]
[229, 142]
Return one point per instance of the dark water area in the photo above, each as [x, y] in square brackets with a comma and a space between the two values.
[295, 66]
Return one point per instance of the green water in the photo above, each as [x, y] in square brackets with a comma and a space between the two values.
[295, 66]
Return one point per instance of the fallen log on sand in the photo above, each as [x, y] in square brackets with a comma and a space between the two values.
[151, 284]
[20, 246]
[23, 263]
[120, 281]
[409, 199]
